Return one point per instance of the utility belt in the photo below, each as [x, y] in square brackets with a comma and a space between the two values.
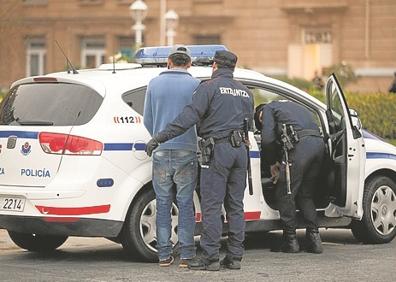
[236, 138]
[206, 146]
[308, 132]
[289, 136]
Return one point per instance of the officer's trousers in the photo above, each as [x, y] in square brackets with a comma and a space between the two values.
[223, 182]
[306, 160]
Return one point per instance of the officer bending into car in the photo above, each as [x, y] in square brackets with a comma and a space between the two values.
[294, 149]
[220, 106]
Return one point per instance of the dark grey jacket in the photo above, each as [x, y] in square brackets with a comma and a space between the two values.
[274, 115]
[218, 106]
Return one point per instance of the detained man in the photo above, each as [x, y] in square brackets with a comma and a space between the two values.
[175, 161]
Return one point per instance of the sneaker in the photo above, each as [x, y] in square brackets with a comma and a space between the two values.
[183, 263]
[166, 262]
[230, 263]
[198, 263]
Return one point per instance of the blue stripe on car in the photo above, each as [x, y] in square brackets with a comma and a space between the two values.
[142, 146]
[19, 134]
[254, 154]
[375, 155]
[118, 146]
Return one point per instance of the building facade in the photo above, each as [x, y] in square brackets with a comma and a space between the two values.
[291, 38]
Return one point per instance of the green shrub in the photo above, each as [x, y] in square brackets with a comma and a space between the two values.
[344, 72]
[377, 111]
[2, 94]
[300, 83]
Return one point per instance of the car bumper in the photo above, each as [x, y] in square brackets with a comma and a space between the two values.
[68, 226]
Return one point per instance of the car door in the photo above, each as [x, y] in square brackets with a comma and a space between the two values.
[347, 152]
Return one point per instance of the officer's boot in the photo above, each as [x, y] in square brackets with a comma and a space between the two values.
[201, 263]
[314, 243]
[290, 243]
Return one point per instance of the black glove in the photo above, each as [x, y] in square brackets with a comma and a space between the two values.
[151, 146]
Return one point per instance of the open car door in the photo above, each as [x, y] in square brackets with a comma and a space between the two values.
[347, 150]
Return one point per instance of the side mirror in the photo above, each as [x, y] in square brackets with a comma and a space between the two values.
[355, 119]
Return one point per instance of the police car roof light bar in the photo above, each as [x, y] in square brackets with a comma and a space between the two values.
[200, 54]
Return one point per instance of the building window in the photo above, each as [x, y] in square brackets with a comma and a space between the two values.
[35, 56]
[207, 39]
[90, 2]
[35, 2]
[93, 51]
[126, 45]
[124, 2]
[208, 1]
[314, 36]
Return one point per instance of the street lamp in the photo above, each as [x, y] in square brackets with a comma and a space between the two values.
[171, 19]
[138, 11]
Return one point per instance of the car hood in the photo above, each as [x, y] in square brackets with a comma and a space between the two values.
[375, 144]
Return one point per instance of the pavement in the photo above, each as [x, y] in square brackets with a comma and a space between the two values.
[97, 259]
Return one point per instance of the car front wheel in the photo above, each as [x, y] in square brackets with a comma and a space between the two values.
[139, 232]
[36, 242]
[378, 224]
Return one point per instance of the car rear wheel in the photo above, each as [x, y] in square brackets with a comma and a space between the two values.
[378, 224]
[36, 242]
[139, 232]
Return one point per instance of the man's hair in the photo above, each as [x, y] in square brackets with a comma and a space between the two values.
[180, 60]
[256, 118]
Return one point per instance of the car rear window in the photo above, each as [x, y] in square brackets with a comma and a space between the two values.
[135, 99]
[58, 104]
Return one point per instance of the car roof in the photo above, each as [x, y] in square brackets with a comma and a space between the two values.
[132, 76]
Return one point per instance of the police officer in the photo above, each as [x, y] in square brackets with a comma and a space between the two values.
[305, 161]
[220, 106]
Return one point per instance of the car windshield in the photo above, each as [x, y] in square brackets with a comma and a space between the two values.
[47, 104]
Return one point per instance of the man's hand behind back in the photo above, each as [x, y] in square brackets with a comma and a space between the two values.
[151, 146]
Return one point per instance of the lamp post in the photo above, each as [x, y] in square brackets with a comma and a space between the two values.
[171, 19]
[138, 11]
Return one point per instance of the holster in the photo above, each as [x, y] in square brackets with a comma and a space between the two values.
[206, 147]
[236, 138]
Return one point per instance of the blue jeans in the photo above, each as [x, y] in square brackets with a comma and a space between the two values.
[175, 168]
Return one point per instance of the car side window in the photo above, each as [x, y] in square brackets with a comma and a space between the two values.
[135, 99]
[265, 96]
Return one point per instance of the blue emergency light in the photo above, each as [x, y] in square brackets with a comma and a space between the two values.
[200, 54]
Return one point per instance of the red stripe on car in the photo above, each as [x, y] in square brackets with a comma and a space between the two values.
[248, 216]
[73, 211]
[252, 215]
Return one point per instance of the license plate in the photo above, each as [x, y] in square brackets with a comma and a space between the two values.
[12, 203]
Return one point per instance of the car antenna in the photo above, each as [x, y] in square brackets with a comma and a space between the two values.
[69, 64]
[114, 68]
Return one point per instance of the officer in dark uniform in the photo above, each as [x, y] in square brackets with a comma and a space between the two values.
[220, 106]
[305, 161]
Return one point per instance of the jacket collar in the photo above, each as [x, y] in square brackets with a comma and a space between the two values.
[176, 71]
[223, 72]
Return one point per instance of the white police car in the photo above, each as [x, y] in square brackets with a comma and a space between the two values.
[72, 160]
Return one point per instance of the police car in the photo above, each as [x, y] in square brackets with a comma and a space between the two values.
[72, 159]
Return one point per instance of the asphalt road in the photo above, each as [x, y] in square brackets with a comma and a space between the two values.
[94, 259]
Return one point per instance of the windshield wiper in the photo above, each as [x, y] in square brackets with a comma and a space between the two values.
[33, 122]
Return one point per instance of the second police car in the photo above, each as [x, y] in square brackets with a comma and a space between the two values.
[72, 159]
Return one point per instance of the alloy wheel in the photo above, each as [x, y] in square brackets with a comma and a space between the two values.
[383, 210]
[148, 225]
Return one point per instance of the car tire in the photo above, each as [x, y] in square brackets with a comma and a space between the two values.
[377, 225]
[36, 242]
[138, 236]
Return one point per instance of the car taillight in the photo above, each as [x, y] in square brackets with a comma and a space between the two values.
[64, 144]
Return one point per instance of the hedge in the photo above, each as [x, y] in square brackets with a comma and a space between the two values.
[377, 111]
